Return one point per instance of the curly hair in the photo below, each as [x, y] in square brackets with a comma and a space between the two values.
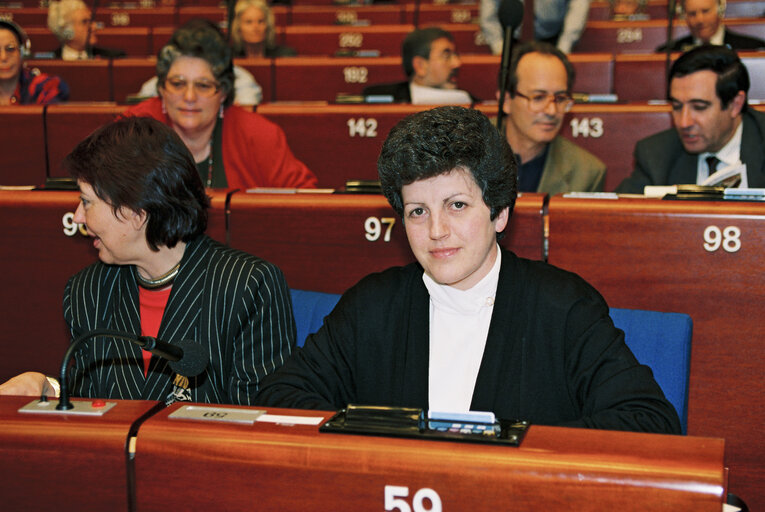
[437, 141]
[199, 38]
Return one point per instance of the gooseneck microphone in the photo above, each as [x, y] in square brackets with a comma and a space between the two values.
[187, 358]
[510, 15]
[670, 20]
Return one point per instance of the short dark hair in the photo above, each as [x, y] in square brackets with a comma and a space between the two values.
[437, 141]
[417, 44]
[537, 47]
[200, 38]
[732, 75]
[141, 164]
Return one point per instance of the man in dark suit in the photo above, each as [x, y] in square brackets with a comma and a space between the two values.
[469, 326]
[705, 21]
[145, 207]
[708, 88]
[431, 64]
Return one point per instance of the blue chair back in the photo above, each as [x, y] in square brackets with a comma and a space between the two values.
[661, 341]
[309, 309]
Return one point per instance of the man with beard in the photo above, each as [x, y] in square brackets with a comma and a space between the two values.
[431, 64]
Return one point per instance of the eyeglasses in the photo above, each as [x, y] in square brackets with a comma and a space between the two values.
[204, 88]
[539, 102]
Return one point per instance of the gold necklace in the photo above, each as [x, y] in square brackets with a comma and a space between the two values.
[160, 282]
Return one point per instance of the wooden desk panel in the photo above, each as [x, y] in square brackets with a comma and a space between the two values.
[337, 142]
[328, 39]
[322, 78]
[137, 17]
[128, 75]
[22, 145]
[79, 462]
[642, 77]
[88, 80]
[611, 131]
[294, 467]
[67, 125]
[436, 14]
[350, 15]
[650, 254]
[327, 242]
[626, 36]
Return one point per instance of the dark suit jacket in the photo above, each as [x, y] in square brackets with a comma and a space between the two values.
[97, 51]
[236, 305]
[732, 40]
[552, 355]
[399, 90]
[661, 159]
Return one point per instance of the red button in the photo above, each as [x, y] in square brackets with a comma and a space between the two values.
[98, 403]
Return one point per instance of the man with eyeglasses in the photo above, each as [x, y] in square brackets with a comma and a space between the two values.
[431, 63]
[715, 131]
[538, 97]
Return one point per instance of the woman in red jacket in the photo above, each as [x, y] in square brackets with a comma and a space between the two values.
[233, 148]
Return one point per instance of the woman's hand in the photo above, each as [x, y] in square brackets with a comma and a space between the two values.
[27, 384]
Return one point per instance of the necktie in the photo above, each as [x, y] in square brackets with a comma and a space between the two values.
[712, 162]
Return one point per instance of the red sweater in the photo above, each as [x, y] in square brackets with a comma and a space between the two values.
[255, 150]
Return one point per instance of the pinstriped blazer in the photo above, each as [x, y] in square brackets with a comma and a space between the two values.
[235, 304]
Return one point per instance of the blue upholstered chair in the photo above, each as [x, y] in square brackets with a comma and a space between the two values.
[659, 340]
[310, 308]
[663, 342]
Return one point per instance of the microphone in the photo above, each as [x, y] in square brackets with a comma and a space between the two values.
[510, 15]
[668, 47]
[187, 357]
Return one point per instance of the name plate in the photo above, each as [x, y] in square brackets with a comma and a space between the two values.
[210, 413]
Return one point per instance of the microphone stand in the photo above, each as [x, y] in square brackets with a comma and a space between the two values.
[507, 50]
[668, 48]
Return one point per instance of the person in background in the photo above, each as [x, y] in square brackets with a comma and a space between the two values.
[559, 22]
[628, 10]
[431, 64]
[469, 326]
[232, 147]
[539, 95]
[715, 130]
[705, 21]
[159, 275]
[247, 91]
[72, 24]
[20, 85]
[253, 33]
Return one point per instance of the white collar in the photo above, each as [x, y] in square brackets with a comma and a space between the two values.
[466, 302]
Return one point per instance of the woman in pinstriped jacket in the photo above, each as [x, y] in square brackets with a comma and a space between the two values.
[145, 206]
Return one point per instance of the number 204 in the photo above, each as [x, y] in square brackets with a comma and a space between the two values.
[395, 499]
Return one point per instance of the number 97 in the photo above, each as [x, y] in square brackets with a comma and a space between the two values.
[373, 228]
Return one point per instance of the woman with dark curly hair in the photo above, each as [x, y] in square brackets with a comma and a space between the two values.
[233, 148]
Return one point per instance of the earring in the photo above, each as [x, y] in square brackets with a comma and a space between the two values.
[220, 112]
[164, 110]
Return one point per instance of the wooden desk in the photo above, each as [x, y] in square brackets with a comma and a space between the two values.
[294, 467]
[88, 80]
[652, 254]
[42, 249]
[346, 15]
[49, 461]
[643, 77]
[22, 145]
[135, 41]
[328, 242]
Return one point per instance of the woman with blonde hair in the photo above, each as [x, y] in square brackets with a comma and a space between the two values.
[253, 33]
